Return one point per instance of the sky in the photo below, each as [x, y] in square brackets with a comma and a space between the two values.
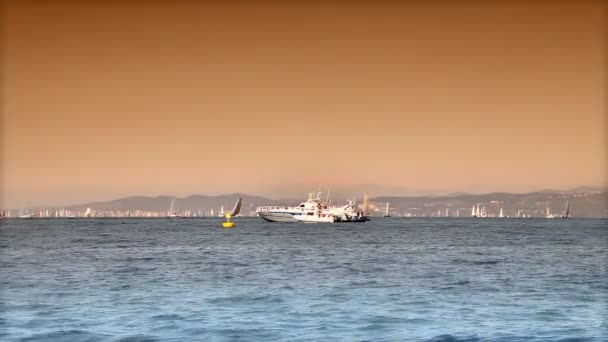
[103, 99]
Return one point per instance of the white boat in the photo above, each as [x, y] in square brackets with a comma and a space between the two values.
[286, 213]
[26, 216]
[312, 218]
[88, 213]
[501, 213]
[346, 213]
[549, 215]
[316, 216]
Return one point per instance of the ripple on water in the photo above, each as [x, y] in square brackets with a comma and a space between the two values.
[66, 336]
[139, 338]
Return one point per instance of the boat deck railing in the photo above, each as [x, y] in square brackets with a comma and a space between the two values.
[274, 207]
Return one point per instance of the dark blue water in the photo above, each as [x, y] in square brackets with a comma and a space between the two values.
[384, 280]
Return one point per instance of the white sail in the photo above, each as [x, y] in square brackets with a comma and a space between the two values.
[386, 214]
[566, 213]
[501, 214]
[88, 212]
[237, 207]
[473, 210]
[171, 207]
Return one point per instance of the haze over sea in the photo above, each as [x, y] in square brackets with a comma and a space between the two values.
[383, 280]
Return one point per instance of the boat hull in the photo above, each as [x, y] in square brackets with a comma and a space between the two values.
[315, 219]
[277, 217]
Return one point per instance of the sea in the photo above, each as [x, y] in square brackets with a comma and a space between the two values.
[395, 279]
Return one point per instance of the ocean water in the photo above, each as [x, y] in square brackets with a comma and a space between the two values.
[383, 280]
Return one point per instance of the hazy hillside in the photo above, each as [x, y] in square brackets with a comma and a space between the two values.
[192, 202]
[583, 204]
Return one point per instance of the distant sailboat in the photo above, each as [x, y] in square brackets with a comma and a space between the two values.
[501, 214]
[88, 213]
[473, 213]
[236, 211]
[386, 214]
[172, 213]
[566, 213]
[365, 205]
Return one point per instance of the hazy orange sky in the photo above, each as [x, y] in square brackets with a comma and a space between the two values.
[105, 99]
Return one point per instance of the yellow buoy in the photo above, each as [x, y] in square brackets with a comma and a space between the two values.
[228, 223]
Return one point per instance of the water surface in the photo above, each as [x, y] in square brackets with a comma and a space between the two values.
[383, 280]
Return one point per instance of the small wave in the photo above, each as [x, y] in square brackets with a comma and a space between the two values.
[120, 287]
[138, 338]
[245, 299]
[452, 338]
[574, 339]
[550, 315]
[65, 335]
[168, 317]
[476, 262]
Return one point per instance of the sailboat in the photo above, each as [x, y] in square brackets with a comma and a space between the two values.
[386, 214]
[236, 211]
[172, 213]
[88, 213]
[473, 213]
[501, 214]
[566, 213]
[365, 205]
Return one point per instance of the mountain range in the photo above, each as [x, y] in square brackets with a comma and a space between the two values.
[584, 202]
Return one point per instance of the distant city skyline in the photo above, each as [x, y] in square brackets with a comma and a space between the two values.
[582, 202]
[109, 99]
